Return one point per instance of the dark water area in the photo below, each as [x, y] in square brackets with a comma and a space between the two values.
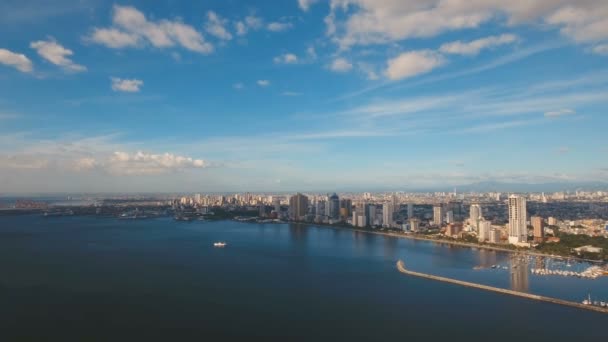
[100, 279]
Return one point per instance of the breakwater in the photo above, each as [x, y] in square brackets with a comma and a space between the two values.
[402, 269]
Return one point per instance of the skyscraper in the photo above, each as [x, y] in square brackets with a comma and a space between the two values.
[449, 217]
[518, 230]
[410, 211]
[438, 215]
[298, 205]
[333, 204]
[388, 210]
[539, 228]
[346, 207]
[483, 234]
[475, 216]
[320, 208]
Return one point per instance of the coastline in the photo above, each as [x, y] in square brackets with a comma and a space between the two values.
[440, 241]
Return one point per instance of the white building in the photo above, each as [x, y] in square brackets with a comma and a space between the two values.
[387, 214]
[517, 229]
[438, 215]
[475, 216]
[484, 230]
[494, 236]
[449, 217]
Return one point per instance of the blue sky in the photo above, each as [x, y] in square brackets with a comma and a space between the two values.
[138, 96]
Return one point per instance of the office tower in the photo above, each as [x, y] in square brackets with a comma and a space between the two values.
[494, 236]
[449, 217]
[539, 228]
[276, 202]
[395, 202]
[320, 210]
[410, 210]
[483, 234]
[387, 214]
[475, 216]
[346, 208]
[370, 214]
[298, 206]
[262, 210]
[334, 207]
[438, 215]
[518, 230]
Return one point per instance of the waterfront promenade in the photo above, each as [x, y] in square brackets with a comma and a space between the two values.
[402, 269]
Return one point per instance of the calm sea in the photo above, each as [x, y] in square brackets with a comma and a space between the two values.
[100, 279]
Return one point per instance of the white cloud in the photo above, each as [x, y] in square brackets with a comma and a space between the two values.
[340, 65]
[250, 22]
[311, 52]
[601, 49]
[558, 113]
[131, 28]
[286, 58]
[238, 86]
[380, 21]
[413, 63]
[56, 54]
[473, 47]
[142, 163]
[216, 26]
[16, 60]
[263, 83]
[290, 93]
[278, 26]
[114, 38]
[126, 85]
[305, 4]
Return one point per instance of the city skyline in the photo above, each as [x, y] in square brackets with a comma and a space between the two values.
[301, 96]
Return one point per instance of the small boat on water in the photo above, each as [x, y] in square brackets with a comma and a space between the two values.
[219, 244]
[587, 301]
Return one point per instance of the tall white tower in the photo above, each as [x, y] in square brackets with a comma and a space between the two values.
[518, 230]
[475, 216]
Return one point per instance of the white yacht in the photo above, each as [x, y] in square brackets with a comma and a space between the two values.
[219, 244]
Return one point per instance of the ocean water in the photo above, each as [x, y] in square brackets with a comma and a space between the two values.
[101, 279]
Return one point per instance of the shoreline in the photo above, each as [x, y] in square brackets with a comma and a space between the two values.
[440, 241]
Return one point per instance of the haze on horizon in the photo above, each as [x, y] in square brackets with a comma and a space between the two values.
[135, 96]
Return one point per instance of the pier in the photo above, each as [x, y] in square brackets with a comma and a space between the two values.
[402, 269]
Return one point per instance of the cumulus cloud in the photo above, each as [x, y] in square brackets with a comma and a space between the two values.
[413, 63]
[558, 113]
[380, 21]
[216, 26]
[16, 60]
[286, 58]
[473, 47]
[131, 28]
[340, 65]
[305, 4]
[250, 22]
[56, 54]
[142, 163]
[263, 83]
[601, 49]
[126, 85]
[278, 26]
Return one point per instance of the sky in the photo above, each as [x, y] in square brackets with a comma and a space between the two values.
[300, 95]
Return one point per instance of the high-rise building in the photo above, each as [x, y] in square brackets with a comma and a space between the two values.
[333, 204]
[395, 202]
[346, 208]
[262, 210]
[475, 216]
[298, 206]
[552, 221]
[449, 217]
[276, 202]
[370, 214]
[438, 215]
[539, 228]
[320, 210]
[388, 210]
[414, 225]
[483, 234]
[494, 235]
[518, 229]
[410, 211]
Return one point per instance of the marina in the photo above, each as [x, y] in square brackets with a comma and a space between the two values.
[587, 304]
